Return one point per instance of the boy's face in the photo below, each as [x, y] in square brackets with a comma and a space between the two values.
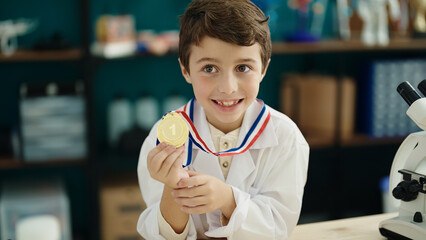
[225, 79]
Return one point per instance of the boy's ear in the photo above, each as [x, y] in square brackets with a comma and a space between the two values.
[185, 73]
[266, 68]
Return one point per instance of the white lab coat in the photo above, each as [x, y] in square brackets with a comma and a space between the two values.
[267, 181]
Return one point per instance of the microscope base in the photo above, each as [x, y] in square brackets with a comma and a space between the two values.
[402, 229]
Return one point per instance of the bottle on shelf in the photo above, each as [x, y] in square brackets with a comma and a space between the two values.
[120, 119]
[146, 111]
[174, 101]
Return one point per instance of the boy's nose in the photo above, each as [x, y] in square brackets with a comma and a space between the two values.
[228, 84]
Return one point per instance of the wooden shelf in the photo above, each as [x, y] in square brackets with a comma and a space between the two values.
[364, 140]
[320, 142]
[43, 55]
[318, 47]
[346, 46]
[13, 163]
[357, 139]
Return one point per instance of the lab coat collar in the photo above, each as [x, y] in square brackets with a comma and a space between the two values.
[268, 138]
[242, 164]
[202, 161]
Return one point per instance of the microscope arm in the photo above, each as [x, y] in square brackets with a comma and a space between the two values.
[411, 148]
[417, 112]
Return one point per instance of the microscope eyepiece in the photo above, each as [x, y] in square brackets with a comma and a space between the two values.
[407, 92]
[422, 87]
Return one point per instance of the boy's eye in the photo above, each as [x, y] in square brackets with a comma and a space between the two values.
[209, 69]
[243, 68]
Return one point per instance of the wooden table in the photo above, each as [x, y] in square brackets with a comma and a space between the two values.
[362, 228]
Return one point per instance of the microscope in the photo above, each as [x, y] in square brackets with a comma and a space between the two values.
[408, 174]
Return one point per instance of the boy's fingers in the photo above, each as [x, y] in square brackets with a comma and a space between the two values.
[169, 161]
[159, 158]
[187, 192]
[194, 180]
[160, 147]
[181, 158]
[155, 151]
[192, 201]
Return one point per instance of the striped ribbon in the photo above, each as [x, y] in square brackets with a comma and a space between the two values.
[194, 138]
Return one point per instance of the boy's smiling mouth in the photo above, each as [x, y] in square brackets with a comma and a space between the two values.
[227, 102]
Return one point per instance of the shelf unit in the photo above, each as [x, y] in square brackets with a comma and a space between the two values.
[13, 163]
[278, 48]
[43, 55]
[328, 46]
[47, 65]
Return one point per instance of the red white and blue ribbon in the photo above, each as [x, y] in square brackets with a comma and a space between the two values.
[194, 138]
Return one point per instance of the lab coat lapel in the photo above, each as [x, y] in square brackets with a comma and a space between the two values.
[202, 161]
[245, 163]
[242, 166]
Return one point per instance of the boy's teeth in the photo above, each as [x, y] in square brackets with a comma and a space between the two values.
[227, 104]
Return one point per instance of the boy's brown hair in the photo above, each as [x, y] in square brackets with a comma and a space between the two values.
[238, 22]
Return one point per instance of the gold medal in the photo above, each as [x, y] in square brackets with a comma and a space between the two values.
[173, 130]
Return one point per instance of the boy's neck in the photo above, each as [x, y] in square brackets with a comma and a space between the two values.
[226, 127]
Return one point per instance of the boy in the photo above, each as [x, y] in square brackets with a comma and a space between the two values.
[224, 52]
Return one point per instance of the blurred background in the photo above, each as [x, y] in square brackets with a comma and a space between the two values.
[82, 83]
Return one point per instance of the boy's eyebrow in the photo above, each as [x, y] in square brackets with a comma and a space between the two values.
[246, 60]
[207, 59]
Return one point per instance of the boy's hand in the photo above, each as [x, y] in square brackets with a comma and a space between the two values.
[164, 164]
[202, 193]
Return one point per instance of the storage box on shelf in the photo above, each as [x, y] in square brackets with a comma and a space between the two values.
[34, 208]
[120, 204]
[322, 106]
[52, 122]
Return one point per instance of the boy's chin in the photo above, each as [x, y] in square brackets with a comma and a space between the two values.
[230, 121]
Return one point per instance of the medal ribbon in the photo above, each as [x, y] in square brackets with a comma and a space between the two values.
[252, 135]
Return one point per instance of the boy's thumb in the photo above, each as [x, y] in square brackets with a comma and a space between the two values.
[192, 173]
